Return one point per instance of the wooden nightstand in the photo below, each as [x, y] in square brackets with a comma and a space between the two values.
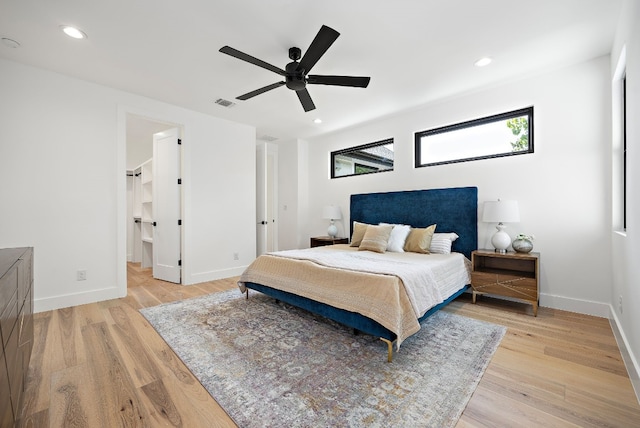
[513, 275]
[319, 241]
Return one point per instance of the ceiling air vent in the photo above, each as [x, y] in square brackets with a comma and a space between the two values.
[225, 103]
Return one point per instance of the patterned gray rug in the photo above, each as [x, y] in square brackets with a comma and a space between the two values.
[270, 364]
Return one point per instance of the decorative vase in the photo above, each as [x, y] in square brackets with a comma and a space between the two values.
[522, 245]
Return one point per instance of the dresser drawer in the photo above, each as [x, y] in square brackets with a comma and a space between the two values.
[25, 276]
[8, 287]
[9, 317]
[16, 329]
[6, 412]
[14, 368]
[25, 322]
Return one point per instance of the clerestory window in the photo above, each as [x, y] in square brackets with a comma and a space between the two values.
[504, 134]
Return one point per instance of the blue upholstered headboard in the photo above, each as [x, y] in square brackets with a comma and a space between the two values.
[453, 210]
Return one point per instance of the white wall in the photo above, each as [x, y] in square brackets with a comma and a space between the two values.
[139, 152]
[63, 163]
[626, 246]
[562, 188]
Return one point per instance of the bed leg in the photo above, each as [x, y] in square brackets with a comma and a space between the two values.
[389, 349]
[247, 294]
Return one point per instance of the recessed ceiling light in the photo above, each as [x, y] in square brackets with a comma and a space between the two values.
[10, 43]
[317, 121]
[73, 32]
[483, 61]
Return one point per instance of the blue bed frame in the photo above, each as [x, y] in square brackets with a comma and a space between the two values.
[452, 209]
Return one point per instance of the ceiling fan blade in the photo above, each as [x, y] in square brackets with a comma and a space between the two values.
[305, 100]
[323, 40]
[355, 81]
[259, 91]
[248, 58]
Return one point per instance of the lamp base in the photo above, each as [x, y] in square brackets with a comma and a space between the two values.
[332, 231]
[501, 240]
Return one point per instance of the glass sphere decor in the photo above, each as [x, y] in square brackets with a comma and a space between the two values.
[522, 245]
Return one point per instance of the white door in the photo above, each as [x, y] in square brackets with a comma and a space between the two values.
[266, 197]
[166, 205]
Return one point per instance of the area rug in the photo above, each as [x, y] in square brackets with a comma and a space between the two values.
[270, 364]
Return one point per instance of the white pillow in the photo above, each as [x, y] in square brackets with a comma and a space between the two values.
[398, 235]
[441, 243]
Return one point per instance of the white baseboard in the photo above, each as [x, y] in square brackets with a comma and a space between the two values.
[587, 307]
[75, 299]
[197, 278]
[630, 361]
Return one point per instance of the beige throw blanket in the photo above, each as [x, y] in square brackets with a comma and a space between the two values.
[394, 289]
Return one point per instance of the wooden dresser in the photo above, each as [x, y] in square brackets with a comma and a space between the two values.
[16, 329]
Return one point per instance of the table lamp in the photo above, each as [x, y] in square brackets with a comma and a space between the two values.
[501, 212]
[332, 213]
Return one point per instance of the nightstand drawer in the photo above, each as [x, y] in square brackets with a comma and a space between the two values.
[505, 285]
[320, 241]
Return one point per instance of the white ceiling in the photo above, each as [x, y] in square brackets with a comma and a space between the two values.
[416, 51]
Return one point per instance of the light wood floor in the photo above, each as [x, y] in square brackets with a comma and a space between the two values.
[103, 365]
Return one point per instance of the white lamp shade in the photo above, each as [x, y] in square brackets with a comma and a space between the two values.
[501, 212]
[331, 212]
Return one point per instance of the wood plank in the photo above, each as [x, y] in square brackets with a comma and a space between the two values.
[195, 402]
[35, 420]
[487, 409]
[73, 401]
[165, 412]
[119, 402]
[69, 331]
[131, 346]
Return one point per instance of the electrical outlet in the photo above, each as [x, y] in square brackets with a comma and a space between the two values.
[236, 256]
[81, 275]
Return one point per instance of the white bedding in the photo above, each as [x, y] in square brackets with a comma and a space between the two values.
[429, 279]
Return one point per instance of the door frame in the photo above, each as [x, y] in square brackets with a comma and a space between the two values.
[121, 198]
[266, 197]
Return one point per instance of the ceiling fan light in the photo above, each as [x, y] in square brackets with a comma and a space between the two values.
[483, 62]
[73, 32]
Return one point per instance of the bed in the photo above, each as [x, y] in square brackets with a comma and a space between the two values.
[375, 301]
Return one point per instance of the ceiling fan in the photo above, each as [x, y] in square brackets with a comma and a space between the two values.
[296, 73]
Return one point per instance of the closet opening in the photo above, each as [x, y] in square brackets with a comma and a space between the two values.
[154, 195]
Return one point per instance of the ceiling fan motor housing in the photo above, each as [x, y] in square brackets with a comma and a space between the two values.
[295, 77]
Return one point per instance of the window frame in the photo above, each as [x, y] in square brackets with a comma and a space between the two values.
[527, 111]
[337, 153]
[619, 147]
[624, 151]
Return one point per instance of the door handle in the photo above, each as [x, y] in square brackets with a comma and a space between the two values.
[264, 222]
